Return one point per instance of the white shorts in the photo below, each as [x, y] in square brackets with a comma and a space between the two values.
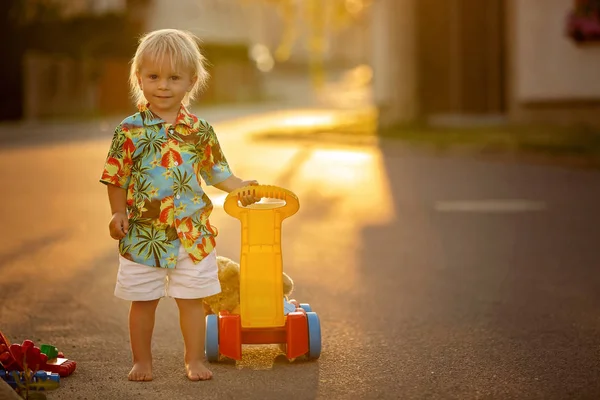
[138, 282]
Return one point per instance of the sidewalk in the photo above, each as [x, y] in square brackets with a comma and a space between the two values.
[42, 132]
[268, 119]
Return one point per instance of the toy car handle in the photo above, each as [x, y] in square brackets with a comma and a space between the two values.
[232, 207]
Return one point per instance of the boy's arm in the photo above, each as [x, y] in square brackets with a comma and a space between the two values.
[232, 183]
[118, 199]
[119, 223]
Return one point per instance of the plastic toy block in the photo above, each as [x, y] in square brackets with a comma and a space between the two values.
[6, 358]
[62, 366]
[230, 340]
[297, 334]
[49, 350]
[14, 356]
[40, 380]
[26, 354]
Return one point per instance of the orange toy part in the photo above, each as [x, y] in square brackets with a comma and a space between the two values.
[230, 338]
[294, 333]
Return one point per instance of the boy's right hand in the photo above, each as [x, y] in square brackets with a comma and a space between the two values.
[118, 226]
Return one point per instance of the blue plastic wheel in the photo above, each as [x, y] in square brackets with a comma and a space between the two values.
[314, 335]
[305, 307]
[211, 340]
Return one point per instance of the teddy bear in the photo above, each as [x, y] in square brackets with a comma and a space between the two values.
[229, 298]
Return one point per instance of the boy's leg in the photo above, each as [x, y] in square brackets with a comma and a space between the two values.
[143, 286]
[191, 320]
[141, 326]
[188, 284]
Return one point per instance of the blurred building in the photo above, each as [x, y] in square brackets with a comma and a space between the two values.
[442, 61]
[222, 26]
[335, 30]
[72, 8]
[72, 56]
[465, 61]
[74, 59]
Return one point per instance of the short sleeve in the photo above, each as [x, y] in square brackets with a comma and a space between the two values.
[215, 168]
[117, 168]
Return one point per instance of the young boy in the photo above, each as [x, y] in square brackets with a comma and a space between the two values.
[159, 211]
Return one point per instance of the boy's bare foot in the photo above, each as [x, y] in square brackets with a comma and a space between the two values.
[196, 371]
[140, 372]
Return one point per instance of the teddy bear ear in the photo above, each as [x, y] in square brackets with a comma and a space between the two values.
[228, 270]
[288, 285]
[222, 261]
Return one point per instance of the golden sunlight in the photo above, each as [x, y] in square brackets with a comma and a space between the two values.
[308, 120]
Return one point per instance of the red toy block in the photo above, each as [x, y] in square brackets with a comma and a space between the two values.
[6, 358]
[27, 354]
[230, 338]
[61, 366]
[13, 357]
[297, 334]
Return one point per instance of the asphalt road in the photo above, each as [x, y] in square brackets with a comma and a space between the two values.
[433, 277]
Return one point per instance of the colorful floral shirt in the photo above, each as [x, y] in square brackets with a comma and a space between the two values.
[161, 166]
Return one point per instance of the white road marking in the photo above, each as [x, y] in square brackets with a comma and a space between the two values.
[490, 206]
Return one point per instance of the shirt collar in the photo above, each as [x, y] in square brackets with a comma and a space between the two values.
[183, 118]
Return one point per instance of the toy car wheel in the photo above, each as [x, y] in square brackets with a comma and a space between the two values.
[314, 335]
[211, 342]
[305, 307]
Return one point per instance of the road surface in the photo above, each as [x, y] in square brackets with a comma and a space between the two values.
[433, 277]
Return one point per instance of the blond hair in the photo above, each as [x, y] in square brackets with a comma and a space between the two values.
[182, 49]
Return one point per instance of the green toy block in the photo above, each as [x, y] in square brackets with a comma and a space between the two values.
[49, 350]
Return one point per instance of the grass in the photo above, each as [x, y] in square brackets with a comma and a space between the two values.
[579, 145]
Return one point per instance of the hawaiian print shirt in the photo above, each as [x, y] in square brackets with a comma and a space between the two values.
[160, 166]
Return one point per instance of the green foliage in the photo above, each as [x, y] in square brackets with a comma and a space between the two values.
[574, 142]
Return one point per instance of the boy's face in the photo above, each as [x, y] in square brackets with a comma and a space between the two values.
[163, 87]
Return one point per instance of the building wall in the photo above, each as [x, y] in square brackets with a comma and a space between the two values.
[548, 65]
[220, 25]
[438, 61]
[214, 21]
[58, 86]
[71, 8]
[551, 80]
[460, 52]
[345, 39]
[394, 60]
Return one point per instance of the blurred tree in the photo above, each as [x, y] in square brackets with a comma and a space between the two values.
[321, 17]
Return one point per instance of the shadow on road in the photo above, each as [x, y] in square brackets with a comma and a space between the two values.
[479, 305]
